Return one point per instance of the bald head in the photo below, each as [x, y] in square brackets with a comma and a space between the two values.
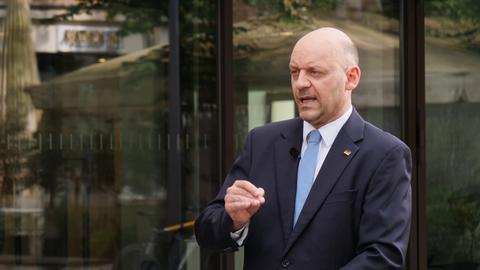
[324, 71]
[340, 45]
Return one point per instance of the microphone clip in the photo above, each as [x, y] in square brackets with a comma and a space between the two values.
[294, 153]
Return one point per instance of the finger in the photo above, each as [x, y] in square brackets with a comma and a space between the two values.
[254, 204]
[234, 189]
[238, 198]
[253, 208]
[237, 206]
[247, 186]
[257, 202]
[240, 192]
[261, 199]
[261, 192]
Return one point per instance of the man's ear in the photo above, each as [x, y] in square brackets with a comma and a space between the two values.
[353, 77]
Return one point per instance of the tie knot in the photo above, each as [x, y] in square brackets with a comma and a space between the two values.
[314, 137]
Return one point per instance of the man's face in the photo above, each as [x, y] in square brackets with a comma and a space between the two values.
[318, 82]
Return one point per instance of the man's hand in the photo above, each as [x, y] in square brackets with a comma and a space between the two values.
[242, 201]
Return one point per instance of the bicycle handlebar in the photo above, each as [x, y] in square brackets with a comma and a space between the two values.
[179, 226]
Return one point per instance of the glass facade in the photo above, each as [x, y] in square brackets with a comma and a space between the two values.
[92, 135]
[113, 119]
[452, 54]
[266, 31]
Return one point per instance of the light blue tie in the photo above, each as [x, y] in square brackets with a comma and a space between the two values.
[306, 172]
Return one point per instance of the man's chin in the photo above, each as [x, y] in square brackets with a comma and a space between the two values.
[308, 116]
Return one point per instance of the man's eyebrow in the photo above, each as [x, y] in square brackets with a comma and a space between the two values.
[316, 66]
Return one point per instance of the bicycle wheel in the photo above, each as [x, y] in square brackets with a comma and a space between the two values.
[133, 257]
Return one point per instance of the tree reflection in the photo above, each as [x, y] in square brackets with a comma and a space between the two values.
[18, 118]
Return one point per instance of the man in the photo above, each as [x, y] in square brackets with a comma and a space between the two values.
[327, 191]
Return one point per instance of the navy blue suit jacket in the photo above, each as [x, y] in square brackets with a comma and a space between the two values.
[357, 215]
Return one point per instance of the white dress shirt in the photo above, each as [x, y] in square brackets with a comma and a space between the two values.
[328, 132]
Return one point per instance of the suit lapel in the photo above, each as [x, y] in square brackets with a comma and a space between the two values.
[332, 168]
[286, 173]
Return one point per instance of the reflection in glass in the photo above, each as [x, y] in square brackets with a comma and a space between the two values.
[83, 161]
[19, 214]
[265, 32]
[452, 126]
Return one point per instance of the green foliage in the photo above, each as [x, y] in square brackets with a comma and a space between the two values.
[442, 229]
[464, 10]
[272, 4]
[138, 16]
[453, 198]
[465, 208]
[282, 4]
[16, 145]
[453, 219]
[455, 21]
[391, 8]
[326, 4]
[291, 9]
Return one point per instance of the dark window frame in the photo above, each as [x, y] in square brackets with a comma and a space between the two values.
[412, 85]
[174, 187]
[226, 96]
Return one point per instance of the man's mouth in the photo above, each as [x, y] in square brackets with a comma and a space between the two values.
[307, 99]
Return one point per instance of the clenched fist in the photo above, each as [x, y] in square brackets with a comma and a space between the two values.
[242, 201]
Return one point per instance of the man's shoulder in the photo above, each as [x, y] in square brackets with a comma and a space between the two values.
[381, 139]
[369, 135]
[285, 127]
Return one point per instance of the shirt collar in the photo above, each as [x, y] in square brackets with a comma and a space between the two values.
[329, 131]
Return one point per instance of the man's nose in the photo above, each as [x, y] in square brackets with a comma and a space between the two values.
[303, 80]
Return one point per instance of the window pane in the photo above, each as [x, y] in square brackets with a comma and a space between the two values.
[452, 127]
[85, 136]
[266, 31]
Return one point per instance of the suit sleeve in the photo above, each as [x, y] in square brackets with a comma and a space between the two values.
[385, 222]
[213, 226]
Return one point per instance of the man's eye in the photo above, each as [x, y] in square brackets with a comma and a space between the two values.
[293, 72]
[315, 73]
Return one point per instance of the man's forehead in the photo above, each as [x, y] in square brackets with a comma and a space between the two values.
[312, 54]
[309, 62]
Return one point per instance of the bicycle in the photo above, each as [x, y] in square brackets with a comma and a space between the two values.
[150, 255]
